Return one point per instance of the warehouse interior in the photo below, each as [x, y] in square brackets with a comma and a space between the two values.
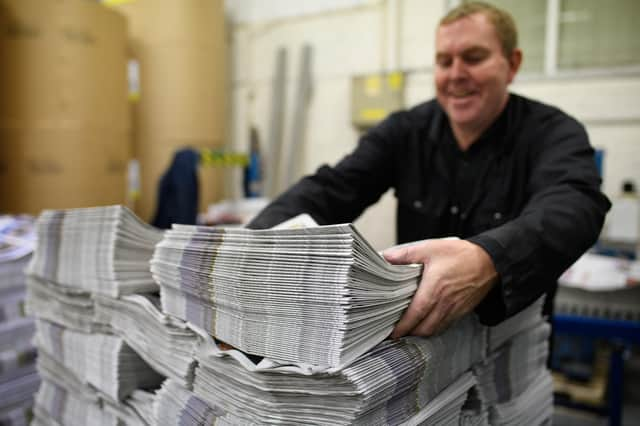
[203, 111]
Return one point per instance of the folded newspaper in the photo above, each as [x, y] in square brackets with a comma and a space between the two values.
[66, 400]
[395, 382]
[317, 295]
[65, 306]
[165, 343]
[18, 377]
[17, 237]
[513, 384]
[388, 385]
[105, 362]
[100, 249]
[55, 405]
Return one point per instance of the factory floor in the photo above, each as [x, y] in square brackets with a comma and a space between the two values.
[631, 409]
[568, 417]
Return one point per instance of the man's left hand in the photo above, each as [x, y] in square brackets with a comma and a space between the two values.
[457, 275]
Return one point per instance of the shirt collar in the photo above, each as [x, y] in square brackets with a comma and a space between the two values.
[491, 139]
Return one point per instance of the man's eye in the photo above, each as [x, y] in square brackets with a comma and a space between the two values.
[474, 59]
[443, 62]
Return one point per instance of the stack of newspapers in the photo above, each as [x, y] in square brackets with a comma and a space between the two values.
[102, 250]
[513, 381]
[104, 348]
[166, 343]
[390, 384]
[455, 378]
[293, 323]
[103, 361]
[18, 377]
[318, 295]
[285, 326]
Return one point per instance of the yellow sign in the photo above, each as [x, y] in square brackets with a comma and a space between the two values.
[395, 80]
[210, 157]
[373, 114]
[116, 2]
[372, 86]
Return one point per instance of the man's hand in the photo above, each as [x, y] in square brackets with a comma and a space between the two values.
[457, 275]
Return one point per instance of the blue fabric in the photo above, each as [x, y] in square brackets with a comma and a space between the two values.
[253, 176]
[178, 191]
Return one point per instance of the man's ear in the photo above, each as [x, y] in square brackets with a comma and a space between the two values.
[515, 60]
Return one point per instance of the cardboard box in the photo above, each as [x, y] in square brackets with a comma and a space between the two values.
[58, 169]
[63, 64]
[64, 113]
[180, 47]
[164, 22]
[182, 92]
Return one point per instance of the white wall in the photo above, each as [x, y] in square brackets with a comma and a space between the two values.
[251, 11]
[351, 37]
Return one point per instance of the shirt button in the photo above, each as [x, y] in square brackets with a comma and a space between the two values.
[497, 215]
[454, 209]
[417, 204]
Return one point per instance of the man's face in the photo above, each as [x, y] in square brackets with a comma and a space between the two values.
[471, 72]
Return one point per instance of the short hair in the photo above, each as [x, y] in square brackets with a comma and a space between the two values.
[501, 20]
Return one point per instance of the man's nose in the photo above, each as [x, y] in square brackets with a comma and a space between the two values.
[458, 68]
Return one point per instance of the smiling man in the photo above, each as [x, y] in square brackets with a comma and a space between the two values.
[473, 69]
[513, 178]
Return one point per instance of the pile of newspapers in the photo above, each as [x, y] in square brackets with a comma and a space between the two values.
[319, 295]
[101, 250]
[18, 377]
[468, 375]
[513, 381]
[286, 326]
[104, 347]
[293, 323]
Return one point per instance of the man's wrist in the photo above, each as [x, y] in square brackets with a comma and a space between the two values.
[488, 275]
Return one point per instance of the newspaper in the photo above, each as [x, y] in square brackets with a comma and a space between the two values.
[102, 250]
[317, 295]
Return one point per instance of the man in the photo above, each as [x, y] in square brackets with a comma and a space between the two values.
[513, 178]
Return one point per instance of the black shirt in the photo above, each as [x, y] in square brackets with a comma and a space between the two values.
[527, 191]
[466, 169]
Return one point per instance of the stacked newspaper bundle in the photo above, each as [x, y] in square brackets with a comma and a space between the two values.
[18, 377]
[62, 305]
[317, 303]
[524, 320]
[447, 407]
[96, 340]
[513, 381]
[318, 295]
[411, 381]
[162, 341]
[106, 362]
[175, 405]
[473, 411]
[388, 385]
[142, 408]
[100, 250]
[54, 402]
[64, 400]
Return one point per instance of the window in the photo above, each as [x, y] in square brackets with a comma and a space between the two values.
[598, 34]
[575, 35]
[530, 17]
